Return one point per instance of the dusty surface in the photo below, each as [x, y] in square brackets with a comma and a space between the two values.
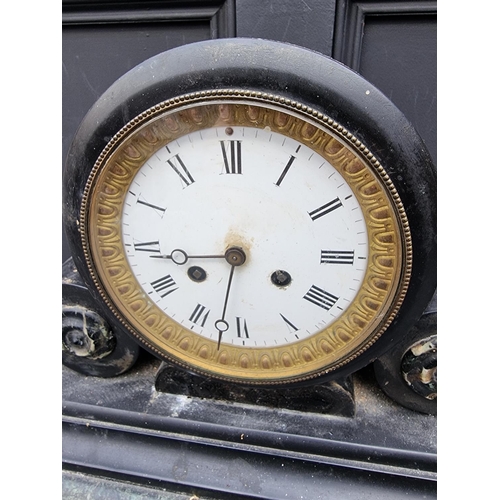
[378, 420]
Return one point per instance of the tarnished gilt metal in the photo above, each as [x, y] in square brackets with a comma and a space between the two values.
[363, 322]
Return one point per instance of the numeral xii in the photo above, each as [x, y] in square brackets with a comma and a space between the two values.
[231, 154]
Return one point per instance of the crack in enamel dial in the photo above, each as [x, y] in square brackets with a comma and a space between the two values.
[246, 237]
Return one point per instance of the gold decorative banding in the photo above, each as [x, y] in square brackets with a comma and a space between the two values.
[361, 324]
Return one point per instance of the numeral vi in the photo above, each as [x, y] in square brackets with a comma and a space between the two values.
[241, 328]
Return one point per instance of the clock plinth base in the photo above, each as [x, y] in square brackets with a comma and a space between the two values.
[123, 439]
[334, 397]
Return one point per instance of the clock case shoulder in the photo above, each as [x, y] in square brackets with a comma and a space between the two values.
[293, 73]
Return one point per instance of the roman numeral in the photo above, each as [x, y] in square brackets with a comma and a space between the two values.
[231, 156]
[157, 208]
[290, 325]
[325, 209]
[199, 316]
[148, 246]
[241, 328]
[320, 297]
[285, 170]
[164, 286]
[337, 257]
[180, 169]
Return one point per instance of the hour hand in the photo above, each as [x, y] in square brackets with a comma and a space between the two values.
[180, 257]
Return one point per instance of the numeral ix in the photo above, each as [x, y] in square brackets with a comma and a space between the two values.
[148, 246]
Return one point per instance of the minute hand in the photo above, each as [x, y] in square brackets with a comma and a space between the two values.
[235, 257]
[221, 324]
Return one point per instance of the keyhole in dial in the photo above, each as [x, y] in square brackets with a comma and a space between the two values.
[197, 274]
[281, 278]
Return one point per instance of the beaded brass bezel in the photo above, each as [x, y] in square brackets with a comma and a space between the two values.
[362, 323]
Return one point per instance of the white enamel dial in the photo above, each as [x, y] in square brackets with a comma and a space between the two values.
[281, 205]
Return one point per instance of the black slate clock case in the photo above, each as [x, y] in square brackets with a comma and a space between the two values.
[122, 434]
[296, 74]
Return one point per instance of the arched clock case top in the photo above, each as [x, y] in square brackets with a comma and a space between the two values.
[256, 131]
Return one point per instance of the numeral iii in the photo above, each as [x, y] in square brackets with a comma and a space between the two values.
[337, 256]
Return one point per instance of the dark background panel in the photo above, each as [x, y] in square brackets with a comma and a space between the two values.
[95, 55]
[308, 23]
[392, 44]
[399, 57]
[102, 41]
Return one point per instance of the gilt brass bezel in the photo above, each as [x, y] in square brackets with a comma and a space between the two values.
[362, 323]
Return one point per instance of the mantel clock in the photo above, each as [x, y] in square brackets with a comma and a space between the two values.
[253, 212]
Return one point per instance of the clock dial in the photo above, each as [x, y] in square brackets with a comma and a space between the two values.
[245, 237]
[277, 200]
